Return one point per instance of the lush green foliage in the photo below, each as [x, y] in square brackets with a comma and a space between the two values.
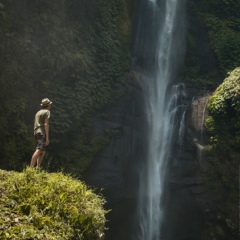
[222, 9]
[198, 69]
[213, 41]
[222, 172]
[222, 20]
[39, 205]
[224, 107]
[74, 52]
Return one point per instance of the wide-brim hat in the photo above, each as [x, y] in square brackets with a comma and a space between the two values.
[45, 102]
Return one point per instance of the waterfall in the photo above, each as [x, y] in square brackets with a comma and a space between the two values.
[158, 52]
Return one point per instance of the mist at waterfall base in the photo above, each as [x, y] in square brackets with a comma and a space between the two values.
[158, 51]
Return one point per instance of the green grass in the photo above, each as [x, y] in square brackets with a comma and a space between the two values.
[40, 205]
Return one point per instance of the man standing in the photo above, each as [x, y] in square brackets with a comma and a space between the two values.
[41, 132]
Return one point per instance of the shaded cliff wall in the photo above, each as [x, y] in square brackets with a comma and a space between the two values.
[115, 169]
[186, 197]
[188, 203]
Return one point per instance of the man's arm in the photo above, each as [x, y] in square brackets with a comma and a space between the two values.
[46, 128]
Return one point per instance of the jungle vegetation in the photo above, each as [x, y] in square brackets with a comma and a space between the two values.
[223, 154]
[77, 53]
[213, 42]
[74, 52]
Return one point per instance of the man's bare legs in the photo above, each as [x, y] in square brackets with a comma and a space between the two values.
[37, 158]
[40, 158]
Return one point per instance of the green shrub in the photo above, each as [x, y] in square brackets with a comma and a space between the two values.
[222, 170]
[39, 205]
[226, 99]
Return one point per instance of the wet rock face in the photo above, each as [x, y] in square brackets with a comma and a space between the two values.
[196, 118]
[116, 168]
[186, 198]
[199, 112]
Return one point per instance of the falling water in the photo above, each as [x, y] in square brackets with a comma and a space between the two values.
[200, 144]
[163, 35]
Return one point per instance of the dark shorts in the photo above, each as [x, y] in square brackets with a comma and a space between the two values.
[41, 140]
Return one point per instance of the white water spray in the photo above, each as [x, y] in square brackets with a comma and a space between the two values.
[162, 109]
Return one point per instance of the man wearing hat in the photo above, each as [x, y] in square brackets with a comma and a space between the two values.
[41, 132]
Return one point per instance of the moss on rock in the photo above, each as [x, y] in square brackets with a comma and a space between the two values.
[222, 170]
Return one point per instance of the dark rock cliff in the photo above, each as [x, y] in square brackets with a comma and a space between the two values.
[187, 202]
[116, 168]
[187, 199]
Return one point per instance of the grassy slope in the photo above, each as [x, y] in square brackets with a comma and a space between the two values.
[39, 205]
